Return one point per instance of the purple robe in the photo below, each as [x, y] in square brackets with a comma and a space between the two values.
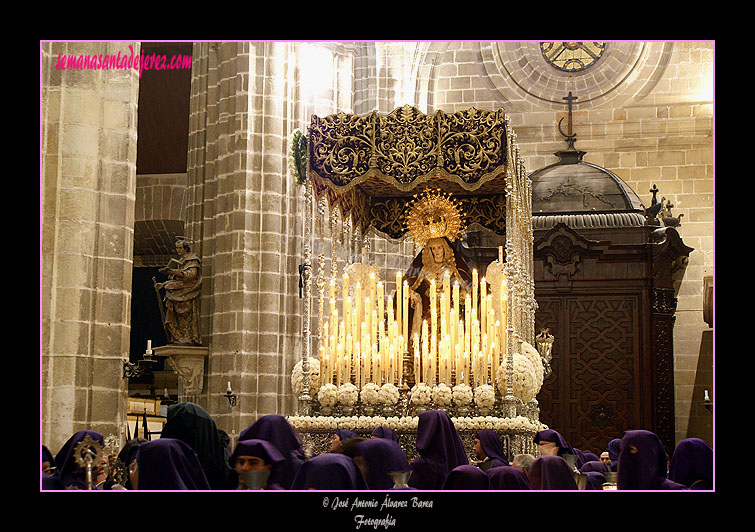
[266, 451]
[381, 456]
[614, 448]
[645, 469]
[492, 447]
[277, 430]
[169, 464]
[692, 464]
[551, 473]
[385, 432]
[68, 471]
[440, 450]
[329, 472]
[508, 478]
[466, 477]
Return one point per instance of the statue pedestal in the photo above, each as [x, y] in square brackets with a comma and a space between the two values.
[188, 362]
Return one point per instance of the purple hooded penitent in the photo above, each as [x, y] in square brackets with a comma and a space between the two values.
[68, 471]
[551, 473]
[508, 478]
[466, 477]
[277, 430]
[692, 464]
[381, 456]
[346, 434]
[194, 426]
[595, 480]
[563, 447]
[266, 451]
[440, 450]
[614, 448]
[169, 464]
[492, 446]
[329, 472]
[385, 432]
[642, 463]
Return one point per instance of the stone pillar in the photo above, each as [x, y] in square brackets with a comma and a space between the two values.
[89, 121]
[244, 212]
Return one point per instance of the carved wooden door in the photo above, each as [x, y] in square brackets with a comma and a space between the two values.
[594, 392]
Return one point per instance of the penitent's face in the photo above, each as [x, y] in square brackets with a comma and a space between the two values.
[548, 448]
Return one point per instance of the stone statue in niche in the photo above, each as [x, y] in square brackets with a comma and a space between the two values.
[180, 306]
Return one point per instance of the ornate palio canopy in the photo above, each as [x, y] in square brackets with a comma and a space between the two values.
[371, 166]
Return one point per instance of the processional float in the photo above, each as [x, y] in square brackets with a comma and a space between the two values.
[391, 344]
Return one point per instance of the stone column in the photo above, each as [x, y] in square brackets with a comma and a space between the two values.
[89, 121]
[244, 212]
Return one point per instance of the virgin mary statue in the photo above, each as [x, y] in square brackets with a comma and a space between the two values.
[434, 221]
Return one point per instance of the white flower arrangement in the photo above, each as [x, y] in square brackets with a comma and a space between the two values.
[297, 376]
[524, 383]
[442, 394]
[369, 394]
[484, 396]
[388, 394]
[328, 394]
[421, 394]
[462, 394]
[536, 361]
[409, 424]
[347, 394]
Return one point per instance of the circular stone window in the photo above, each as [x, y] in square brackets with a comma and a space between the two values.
[572, 56]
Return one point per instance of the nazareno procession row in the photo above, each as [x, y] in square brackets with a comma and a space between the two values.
[193, 454]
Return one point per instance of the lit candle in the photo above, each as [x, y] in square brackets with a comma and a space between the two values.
[483, 304]
[465, 367]
[358, 302]
[457, 363]
[149, 347]
[500, 254]
[322, 365]
[443, 317]
[347, 312]
[399, 300]
[456, 309]
[332, 289]
[474, 293]
[338, 357]
[417, 370]
[345, 296]
[405, 316]
[229, 387]
[399, 358]
[381, 306]
[328, 374]
[357, 362]
[367, 314]
[496, 353]
[447, 293]
[391, 351]
[379, 371]
[425, 353]
[373, 290]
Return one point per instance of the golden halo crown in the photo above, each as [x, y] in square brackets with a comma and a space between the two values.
[433, 214]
